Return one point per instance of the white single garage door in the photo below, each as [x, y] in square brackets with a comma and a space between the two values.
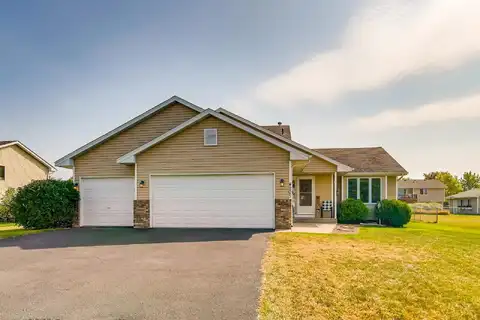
[212, 201]
[106, 202]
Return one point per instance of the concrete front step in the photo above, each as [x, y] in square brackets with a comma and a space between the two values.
[314, 220]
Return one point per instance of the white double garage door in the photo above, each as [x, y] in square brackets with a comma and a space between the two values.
[183, 201]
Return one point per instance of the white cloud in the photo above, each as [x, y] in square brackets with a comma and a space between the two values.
[443, 111]
[382, 44]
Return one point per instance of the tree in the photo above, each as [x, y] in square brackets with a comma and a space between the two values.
[430, 175]
[5, 205]
[470, 180]
[451, 182]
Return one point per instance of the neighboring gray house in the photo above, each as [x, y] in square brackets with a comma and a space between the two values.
[465, 202]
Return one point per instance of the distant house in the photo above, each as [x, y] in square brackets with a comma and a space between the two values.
[465, 202]
[19, 165]
[421, 191]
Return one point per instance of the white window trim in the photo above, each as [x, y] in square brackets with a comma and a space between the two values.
[369, 188]
[205, 137]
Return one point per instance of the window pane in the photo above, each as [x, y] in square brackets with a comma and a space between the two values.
[306, 185]
[2, 173]
[352, 189]
[305, 199]
[210, 137]
[376, 190]
[364, 190]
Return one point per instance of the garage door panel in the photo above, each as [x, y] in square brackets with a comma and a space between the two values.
[197, 221]
[221, 201]
[246, 205]
[107, 201]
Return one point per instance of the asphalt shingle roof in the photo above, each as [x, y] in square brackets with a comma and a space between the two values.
[374, 159]
[413, 183]
[474, 193]
[278, 130]
[6, 142]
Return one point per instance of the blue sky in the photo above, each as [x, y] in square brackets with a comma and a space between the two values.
[401, 74]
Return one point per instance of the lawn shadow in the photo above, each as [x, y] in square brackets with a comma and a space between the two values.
[86, 237]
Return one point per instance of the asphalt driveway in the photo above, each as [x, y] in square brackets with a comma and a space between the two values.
[132, 274]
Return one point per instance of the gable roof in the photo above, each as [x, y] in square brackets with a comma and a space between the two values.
[129, 158]
[374, 159]
[474, 193]
[341, 167]
[282, 130]
[67, 160]
[419, 183]
[4, 144]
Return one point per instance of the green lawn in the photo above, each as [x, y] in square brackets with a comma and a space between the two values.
[8, 230]
[422, 271]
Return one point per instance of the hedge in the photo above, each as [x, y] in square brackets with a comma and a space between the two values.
[45, 204]
[393, 213]
[352, 211]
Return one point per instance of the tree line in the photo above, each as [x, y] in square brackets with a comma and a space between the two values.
[454, 184]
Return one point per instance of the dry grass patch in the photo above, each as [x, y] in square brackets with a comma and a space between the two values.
[423, 271]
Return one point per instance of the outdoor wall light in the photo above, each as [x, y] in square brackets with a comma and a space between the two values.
[282, 182]
[75, 186]
[142, 184]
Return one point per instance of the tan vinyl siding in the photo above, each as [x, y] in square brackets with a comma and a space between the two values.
[20, 168]
[323, 187]
[392, 188]
[102, 160]
[433, 195]
[237, 151]
[317, 165]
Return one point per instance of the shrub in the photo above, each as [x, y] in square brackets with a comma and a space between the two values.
[393, 213]
[352, 211]
[45, 204]
[5, 206]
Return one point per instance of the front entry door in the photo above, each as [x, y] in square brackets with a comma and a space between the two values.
[306, 196]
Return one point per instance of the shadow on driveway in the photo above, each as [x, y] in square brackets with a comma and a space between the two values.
[85, 237]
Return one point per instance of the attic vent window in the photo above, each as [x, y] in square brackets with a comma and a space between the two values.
[210, 137]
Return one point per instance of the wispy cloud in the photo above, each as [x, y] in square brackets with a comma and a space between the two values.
[442, 111]
[385, 42]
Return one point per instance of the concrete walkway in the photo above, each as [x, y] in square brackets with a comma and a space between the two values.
[312, 228]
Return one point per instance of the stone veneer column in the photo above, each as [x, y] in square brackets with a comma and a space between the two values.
[283, 213]
[141, 214]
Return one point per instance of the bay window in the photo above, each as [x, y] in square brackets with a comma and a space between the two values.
[369, 190]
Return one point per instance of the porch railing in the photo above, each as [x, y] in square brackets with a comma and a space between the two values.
[409, 198]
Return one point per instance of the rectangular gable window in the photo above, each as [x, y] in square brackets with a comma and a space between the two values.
[376, 190]
[210, 137]
[352, 188]
[2, 172]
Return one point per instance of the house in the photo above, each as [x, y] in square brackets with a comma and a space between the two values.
[465, 202]
[178, 165]
[421, 190]
[19, 165]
